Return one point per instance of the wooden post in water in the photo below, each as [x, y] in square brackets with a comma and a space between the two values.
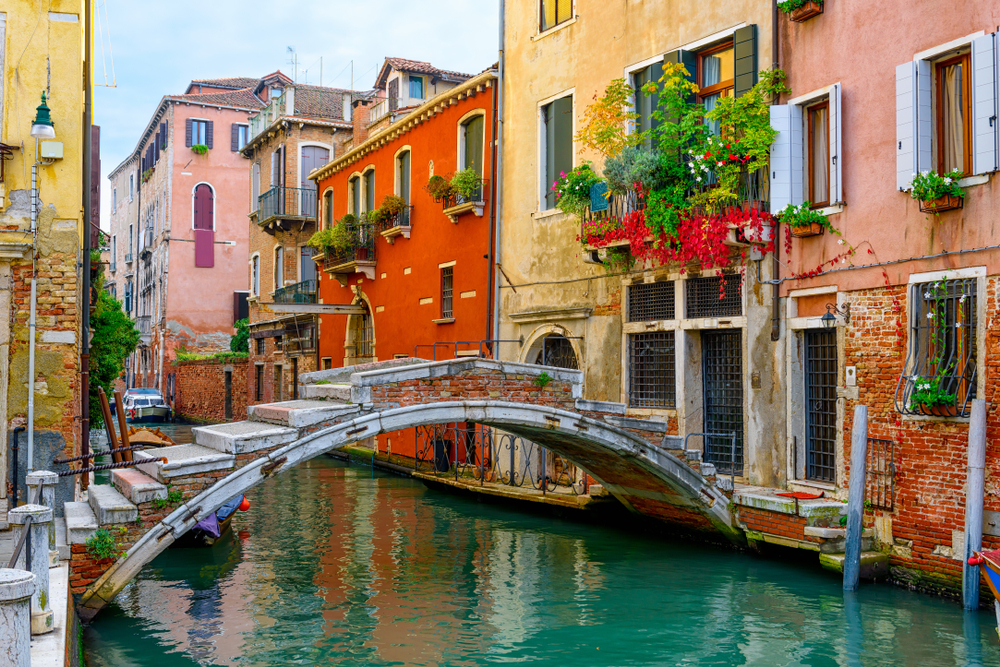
[856, 498]
[974, 491]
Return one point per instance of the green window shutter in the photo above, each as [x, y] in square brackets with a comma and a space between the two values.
[558, 119]
[745, 46]
[474, 138]
[690, 62]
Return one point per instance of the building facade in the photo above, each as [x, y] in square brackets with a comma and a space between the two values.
[41, 241]
[178, 224]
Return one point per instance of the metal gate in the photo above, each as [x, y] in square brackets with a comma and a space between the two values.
[722, 358]
[821, 404]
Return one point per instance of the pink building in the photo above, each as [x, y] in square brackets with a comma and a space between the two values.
[179, 231]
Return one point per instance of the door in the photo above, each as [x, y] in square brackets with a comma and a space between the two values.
[722, 358]
[229, 394]
[313, 157]
[308, 266]
[295, 378]
[821, 404]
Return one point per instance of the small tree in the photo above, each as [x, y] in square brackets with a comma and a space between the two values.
[607, 120]
[240, 342]
[115, 338]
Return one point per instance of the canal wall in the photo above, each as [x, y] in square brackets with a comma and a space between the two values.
[210, 390]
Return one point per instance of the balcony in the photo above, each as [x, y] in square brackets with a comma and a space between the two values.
[281, 208]
[303, 292]
[455, 204]
[398, 225]
[128, 258]
[144, 325]
[305, 102]
[358, 257]
[608, 214]
[268, 115]
[389, 106]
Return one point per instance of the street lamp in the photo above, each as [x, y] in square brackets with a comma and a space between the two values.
[42, 127]
[829, 318]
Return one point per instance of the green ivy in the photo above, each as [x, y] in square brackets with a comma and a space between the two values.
[240, 342]
[102, 544]
[114, 339]
[542, 380]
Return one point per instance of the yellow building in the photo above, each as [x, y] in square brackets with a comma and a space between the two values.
[41, 51]
[556, 298]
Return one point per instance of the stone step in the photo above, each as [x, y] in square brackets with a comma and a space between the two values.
[81, 522]
[692, 454]
[874, 564]
[835, 539]
[137, 486]
[243, 437]
[110, 506]
[326, 392]
[672, 442]
[183, 460]
[62, 541]
[707, 469]
[302, 413]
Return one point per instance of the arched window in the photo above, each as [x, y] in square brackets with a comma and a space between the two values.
[557, 351]
[472, 144]
[361, 336]
[255, 275]
[354, 195]
[204, 226]
[328, 209]
[403, 176]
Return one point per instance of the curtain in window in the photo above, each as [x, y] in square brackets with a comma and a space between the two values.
[819, 188]
[474, 145]
[712, 71]
[952, 118]
[710, 101]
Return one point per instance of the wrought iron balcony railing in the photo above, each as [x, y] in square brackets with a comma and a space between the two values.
[360, 249]
[477, 196]
[144, 324]
[402, 219]
[279, 203]
[303, 292]
[390, 105]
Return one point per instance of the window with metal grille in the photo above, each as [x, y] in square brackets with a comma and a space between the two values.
[880, 491]
[651, 370]
[715, 296]
[649, 302]
[260, 346]
[557, 351]
[447, 283]
[259, 393]
[940, 374]
[364, 336]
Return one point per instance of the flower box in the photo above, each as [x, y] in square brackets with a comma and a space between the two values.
[812, 229]
[939, 410]
[946, 203]
[762, 237]
[806, 11]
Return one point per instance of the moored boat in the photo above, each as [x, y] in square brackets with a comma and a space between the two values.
[208, 531]
[146, 407]
[989, 563]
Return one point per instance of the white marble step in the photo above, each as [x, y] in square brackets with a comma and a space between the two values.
[183, 460]
[110, 506]
[299, 414]
[242, 437]
[81, 522]
[326, 392]
[137, 486]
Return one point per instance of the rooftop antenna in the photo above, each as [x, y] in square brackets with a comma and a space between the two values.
[293, 60]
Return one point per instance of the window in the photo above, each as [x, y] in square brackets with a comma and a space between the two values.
[131, 244]
[554, 12]
[645, 104]
[716, 77]
[259, 383]
[651, 302]
[327, 363]
[417, 87]
[279, 268]
[954, 117]
[131, 186]
[818, 146]
[363, 335]
[241, 135]
[260, 346]
[279, 394]
[275, 92]
[403, 176]
[715, 296]
[114, 199]
[354, 193]
[473, 135]
[199, 132]
[255, 186]
[447, 289]
[328, 209]
[278, 343]
[651, 370]
[557, 147]
[255, 275]
[307, 266]
[369, 190]
[557, 351]
[943, 355]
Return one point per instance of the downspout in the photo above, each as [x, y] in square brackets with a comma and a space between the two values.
[498, 128]
[491, 269]
[775, 264]
[31, 316]
[88, 138]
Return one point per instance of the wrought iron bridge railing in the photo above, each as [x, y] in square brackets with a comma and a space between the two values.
[292, 203]
[360, 249]
[303, 292]
[483, 455]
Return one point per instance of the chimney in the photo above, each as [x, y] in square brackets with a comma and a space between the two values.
[362, 110]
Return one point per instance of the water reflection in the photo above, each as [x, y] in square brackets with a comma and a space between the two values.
[333, 566]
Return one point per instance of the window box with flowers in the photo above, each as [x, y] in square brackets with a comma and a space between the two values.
[937, 193]
[466, 193]
[801, 10]
[804, 221]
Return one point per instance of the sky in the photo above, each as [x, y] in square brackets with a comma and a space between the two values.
[158, 47]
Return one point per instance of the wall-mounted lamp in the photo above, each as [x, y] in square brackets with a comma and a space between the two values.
[829, 318]
[42, 127]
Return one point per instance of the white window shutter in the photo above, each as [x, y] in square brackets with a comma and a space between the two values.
[836, 148]
[786, 156]
[906, 124]
[985, 125]
[925, 118]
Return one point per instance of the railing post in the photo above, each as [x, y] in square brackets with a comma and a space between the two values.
[35, 560]
[42, 491]
[16, 589]
[513, 445]
[856, 498]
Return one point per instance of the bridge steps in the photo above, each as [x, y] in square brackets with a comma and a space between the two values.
[243, 437]
[110, 506]
[326, 392]
[137, 486]
[301, 413]
[183, 461]
[81, 522]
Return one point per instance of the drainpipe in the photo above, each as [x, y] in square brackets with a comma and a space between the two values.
[498, 128]
[775, 265]
[491, 269]
[31, 316]
[88, 138]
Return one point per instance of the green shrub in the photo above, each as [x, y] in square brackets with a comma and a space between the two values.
[438, 187]
[467, 184]
[240, 342]
[200, 149]
[573, 189]
[102, 544]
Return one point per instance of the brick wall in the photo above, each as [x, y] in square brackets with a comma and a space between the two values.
[201, 390]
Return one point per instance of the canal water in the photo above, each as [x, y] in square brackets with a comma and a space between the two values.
[342, 565]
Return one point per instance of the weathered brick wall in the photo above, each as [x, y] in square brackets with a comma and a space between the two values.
[791, 526]
[930, 454]
[201, 390]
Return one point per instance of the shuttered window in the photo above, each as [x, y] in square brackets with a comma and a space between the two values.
[279, 267]
[354, 192]
[199, 133]
[472, 144]
[645, 104]
[369, 190]
[204, 224]
[745, 65]
[403, 176]
[328, 209]
[254, 186]
[557, 155]
[240, 135]
[985, 125]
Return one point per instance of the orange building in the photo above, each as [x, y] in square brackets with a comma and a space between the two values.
[420, 275]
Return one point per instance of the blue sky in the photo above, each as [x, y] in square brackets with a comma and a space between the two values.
[160, 46]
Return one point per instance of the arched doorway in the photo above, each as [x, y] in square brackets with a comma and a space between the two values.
[360, 345]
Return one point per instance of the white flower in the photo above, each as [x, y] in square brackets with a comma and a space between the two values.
[958, 325]
[840, 241]
[691, 164]
[914, 175]
[924, 173]
[698, 179]
[927, 295]
[720, 164]
[947, 181]
[962, 300]
[930, 316]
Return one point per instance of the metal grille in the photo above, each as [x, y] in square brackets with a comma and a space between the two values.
[722, 360]
[447, 283]
[649, 302]
[364, 336]
[942, 349]
[651, 370]
[880, 488]
[715, 296]
[557, 351]
[821, 404]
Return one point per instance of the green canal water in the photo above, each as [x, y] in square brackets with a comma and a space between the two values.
[337, 565]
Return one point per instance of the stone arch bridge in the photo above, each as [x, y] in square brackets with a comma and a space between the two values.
[637, 461]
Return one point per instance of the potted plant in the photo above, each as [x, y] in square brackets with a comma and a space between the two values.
[200, 149]
[801, 10]
[390, 209]
[803, 220]
[438, 187]
[937, 193]
[931, 399]
[573, 189]
[467, 185]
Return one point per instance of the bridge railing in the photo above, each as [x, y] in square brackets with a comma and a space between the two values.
[480, 455]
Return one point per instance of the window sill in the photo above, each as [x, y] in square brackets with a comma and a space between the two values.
[564, 24]
[831, 210]
[444, 320]
[823, 486]
[550, 213]
[969, 181]
[650, 412]
[932, 418]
